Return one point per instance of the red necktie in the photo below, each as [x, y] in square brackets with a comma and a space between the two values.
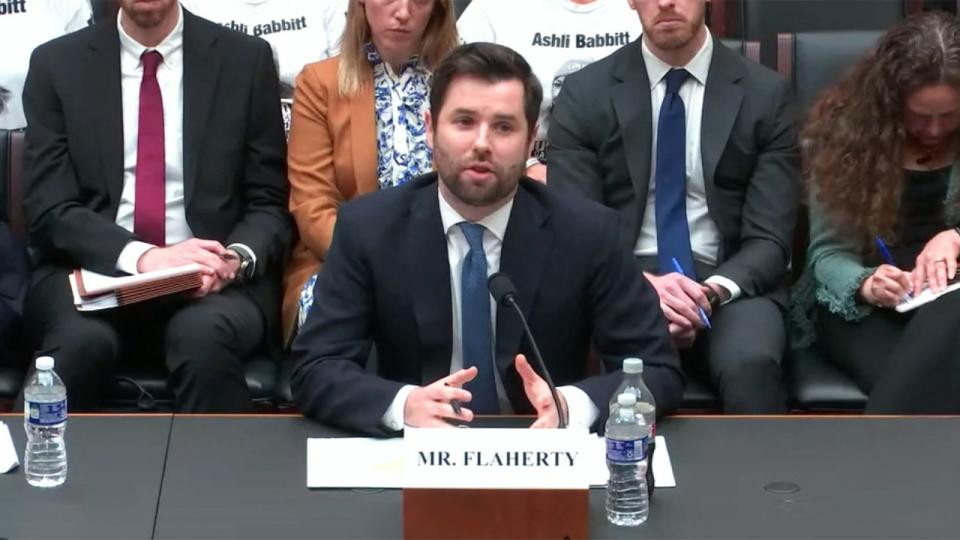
[149, 210]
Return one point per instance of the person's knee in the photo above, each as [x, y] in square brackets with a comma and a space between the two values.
[214, 324]
[748, 366]
[203, 344]
[83, 343]
[86, 353]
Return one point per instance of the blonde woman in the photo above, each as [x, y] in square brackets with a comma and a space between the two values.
[358, 124]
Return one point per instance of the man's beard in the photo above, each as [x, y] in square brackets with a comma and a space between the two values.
[450, 171]
[674, 40]
[149, 18]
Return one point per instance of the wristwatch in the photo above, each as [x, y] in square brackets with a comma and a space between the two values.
[245, 272]
[713, 297]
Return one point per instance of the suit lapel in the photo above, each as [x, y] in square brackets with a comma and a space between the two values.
[363, 139]
[201, 68]
[107, 99]
[526, 245]
[427, 271]
[631, 101]
[721, 104]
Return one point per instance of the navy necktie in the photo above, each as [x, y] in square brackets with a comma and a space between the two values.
[476, 331]
[673, 231]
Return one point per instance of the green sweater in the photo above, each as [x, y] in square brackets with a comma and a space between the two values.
[835, 270]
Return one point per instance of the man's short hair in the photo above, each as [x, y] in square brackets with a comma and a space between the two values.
[488, 62]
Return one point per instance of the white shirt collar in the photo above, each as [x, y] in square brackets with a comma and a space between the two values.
[496, 222]
[170, 45]
[698, 66]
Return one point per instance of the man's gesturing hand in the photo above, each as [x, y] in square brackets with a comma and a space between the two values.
[429, 406]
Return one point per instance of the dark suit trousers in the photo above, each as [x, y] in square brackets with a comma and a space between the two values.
[8, 324]
[741, 355]
[906, 362]
[203, 341]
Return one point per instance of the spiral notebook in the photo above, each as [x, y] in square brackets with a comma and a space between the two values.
[93, 291]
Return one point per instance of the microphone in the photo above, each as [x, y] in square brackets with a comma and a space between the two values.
[505, 293]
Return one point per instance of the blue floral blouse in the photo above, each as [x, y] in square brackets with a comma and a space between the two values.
[400, 101]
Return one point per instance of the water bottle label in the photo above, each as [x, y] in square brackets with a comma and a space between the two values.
[626, 451]
[47, 414]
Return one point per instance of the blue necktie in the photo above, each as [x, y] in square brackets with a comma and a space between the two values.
[475, 323]
[673, 232]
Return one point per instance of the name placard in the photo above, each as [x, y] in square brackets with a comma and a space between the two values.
[497, 458]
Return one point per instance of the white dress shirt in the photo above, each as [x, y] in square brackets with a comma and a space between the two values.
[583, 413]
[170, 80]
[704, 235]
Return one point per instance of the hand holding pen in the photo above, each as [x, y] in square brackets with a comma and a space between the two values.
[703, 314]
[888, 285]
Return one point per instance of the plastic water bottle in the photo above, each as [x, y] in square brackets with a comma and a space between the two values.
[633, 384]
[45, 421]
[628, 503]
[646, 407]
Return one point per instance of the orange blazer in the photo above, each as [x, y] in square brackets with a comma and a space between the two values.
[332, 158]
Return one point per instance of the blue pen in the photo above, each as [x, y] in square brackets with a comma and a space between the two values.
[703, 314]
[884, 252]
[887, 258]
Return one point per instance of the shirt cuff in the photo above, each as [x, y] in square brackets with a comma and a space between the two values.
[393, 418]
[727, 284]
[249, 252]
[580, 408]
[130, 256]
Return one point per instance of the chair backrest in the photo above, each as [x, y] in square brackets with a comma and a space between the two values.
[812, 61]
[750, 49]
[765, 17]
[762, 20]
[12, 181]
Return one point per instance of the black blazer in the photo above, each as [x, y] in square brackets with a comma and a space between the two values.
[234, 159]
[600, 142]
[387, 281]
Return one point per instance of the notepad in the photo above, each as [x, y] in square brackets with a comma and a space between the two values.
[93, 291]
[925, 297]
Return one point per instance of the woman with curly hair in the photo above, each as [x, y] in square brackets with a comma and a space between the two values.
[880, 161]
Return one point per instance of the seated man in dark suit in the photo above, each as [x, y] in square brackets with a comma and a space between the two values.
[14, 274]
[695, 147]
[408, 272]
[155, 140]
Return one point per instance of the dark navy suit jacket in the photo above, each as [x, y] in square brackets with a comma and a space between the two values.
[387, 282]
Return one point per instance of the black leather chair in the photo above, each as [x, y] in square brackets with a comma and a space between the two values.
[812, 61]
[816, 385]
[136, 388]
[763, 19]
[750, 49]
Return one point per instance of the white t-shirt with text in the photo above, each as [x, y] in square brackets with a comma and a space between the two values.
[557, 37]
[299, 31]
[24, 24]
